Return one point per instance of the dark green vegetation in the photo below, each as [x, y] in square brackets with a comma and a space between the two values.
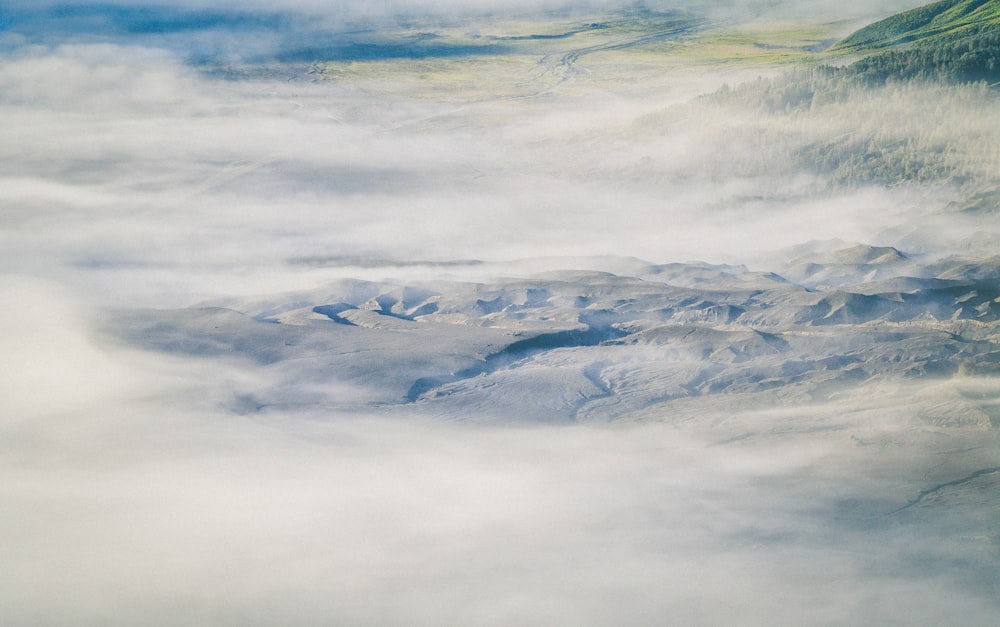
[916, 113]
[948, 41]
[970, 59]
[941, 22]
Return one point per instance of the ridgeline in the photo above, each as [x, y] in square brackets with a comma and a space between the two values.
[942, 22]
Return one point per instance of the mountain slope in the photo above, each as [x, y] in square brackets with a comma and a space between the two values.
[944, 21]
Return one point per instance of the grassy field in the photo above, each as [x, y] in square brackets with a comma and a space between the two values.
[513, 58]
[764, 43]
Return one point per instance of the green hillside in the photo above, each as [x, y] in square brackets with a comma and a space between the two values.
[894, 112]
[952, 41]
[945, 21]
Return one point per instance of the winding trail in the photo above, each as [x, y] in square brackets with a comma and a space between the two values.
[562, 66]
[567, 61]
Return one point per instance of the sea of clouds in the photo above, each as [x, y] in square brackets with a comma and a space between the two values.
[131, 494]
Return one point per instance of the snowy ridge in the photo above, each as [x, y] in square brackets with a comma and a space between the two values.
[597, 346]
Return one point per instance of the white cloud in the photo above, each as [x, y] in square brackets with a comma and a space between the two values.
[178, 512]
[49, 365]
[136, 177]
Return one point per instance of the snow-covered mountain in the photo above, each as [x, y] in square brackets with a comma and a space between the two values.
[596, 346]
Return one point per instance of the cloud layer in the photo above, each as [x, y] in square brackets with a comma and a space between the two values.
[135, 491]
[129, 172]
[141, 499]
[159, 506]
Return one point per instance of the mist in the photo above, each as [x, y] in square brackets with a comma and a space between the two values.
[159, 505]
[541, 313]
[131, 173]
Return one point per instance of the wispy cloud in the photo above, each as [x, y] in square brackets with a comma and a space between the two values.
[122, 160]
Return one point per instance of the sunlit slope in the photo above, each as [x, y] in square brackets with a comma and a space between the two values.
[942, 22]
[501, 57]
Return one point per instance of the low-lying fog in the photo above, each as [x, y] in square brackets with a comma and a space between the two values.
[131, 495]
[197, 468]
[133, 177]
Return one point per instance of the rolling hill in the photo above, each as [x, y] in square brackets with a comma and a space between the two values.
[944, 22]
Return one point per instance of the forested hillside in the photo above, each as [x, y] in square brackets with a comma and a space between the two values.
[919, 113]
[970, 59]
[942, 22]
